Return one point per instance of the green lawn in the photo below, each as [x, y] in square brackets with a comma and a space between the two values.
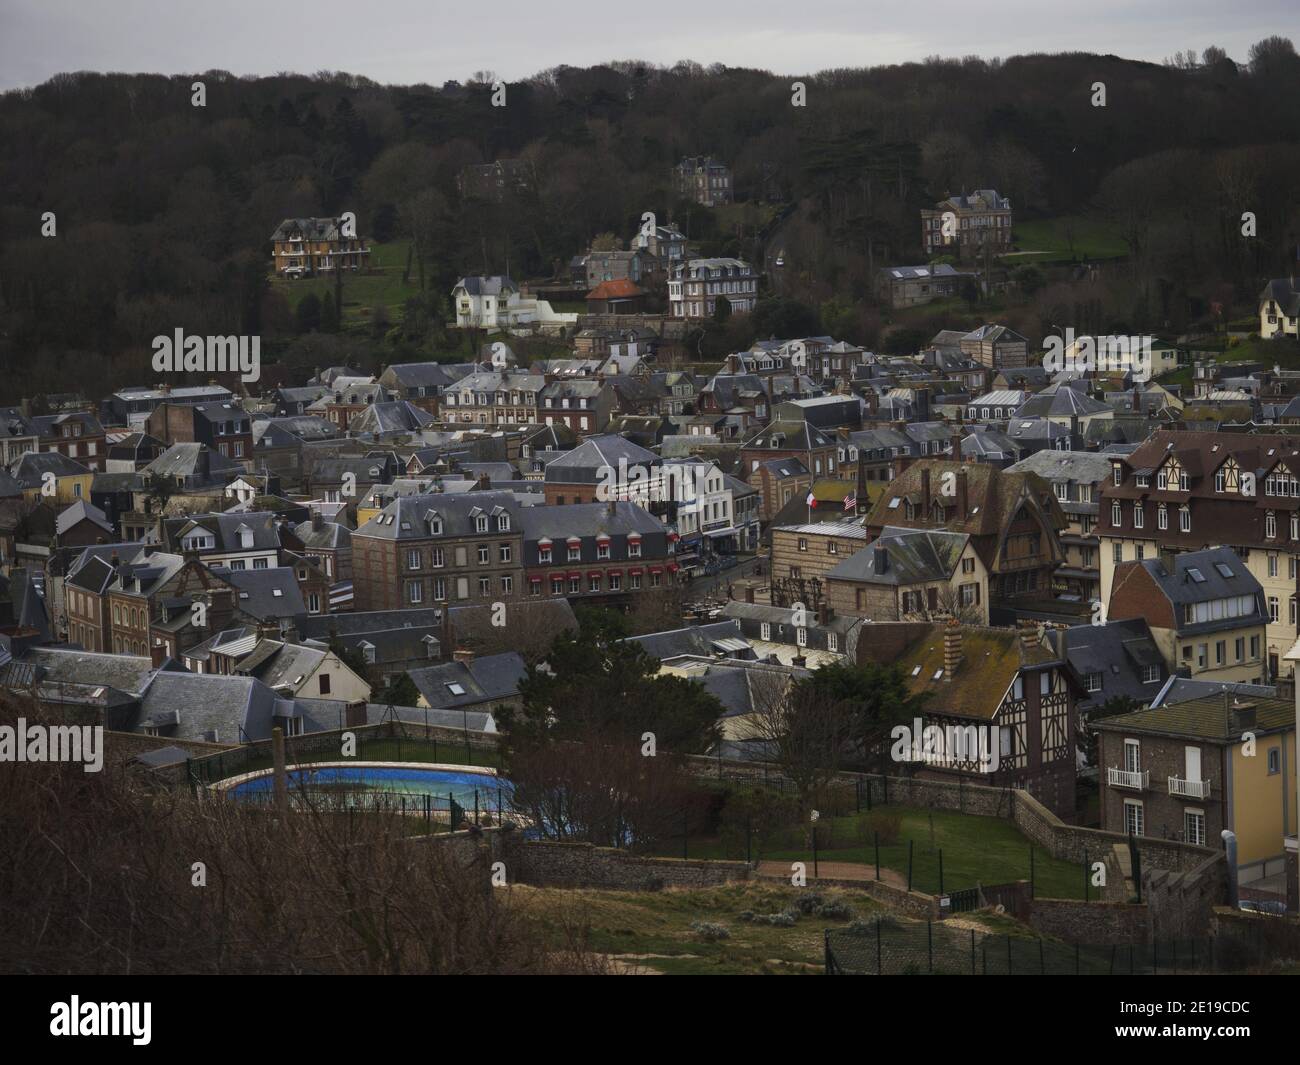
[976, 850]
[1047, 240]
[381, 284]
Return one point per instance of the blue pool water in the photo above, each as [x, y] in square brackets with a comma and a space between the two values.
[406, 787]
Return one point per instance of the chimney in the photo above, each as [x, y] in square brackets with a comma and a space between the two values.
[962, 494]
[951, 649]
[925, 492]
[1030, 636]
[463, 655]
[749, 593]
[484, 482]
[354, 714]
[1242, 718]
[824, 613]
[317, 521]
[26, 407]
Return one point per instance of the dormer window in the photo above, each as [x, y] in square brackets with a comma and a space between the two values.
[435, 524]
[481, 523]
[503, 523]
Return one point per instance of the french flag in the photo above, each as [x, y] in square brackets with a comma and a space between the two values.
[811, 500]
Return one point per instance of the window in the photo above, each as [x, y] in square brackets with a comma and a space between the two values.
[503, 523]
[412, 559]
[1194, 826]
[1274, 760]
[414, 591]
[440, 588]
[1117, 553]
[968, 565]
[832, 642]
[507, 585]
[503, 553]
[1270, 528]
[1185, 519]
[602, 550]
[633, 548]
[1092, 682]
[324, 684]
[1116, 514]
[765, 630]
[1273, 611]
[1162, 517]
[803, 544]
[1150, 674]
[436, 558]
[575, 552]
[801, 637]
[1139, 519]
[1132, 756]
[481, 523]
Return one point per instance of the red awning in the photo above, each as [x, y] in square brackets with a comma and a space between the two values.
[672, 567]
[635, 572]
[614, 573]
[595, 573]
[656, 569]
[574, 575]
[534, 580]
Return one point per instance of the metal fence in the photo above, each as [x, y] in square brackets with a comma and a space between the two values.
[892, 947]
[489, 808]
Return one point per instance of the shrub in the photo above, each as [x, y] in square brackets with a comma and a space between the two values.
[710, 931]
[835, 911]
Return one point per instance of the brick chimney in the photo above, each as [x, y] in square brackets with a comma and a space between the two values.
[1030, 635]
[354, 714]
[463, 655]
[925, 492]
[317, 521]
[952, 654]
[962, 494]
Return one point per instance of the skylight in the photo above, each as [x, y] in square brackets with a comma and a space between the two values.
[456, 689]
[1224, 570]
[1196, 575]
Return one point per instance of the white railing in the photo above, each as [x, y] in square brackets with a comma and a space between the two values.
[1137, 779]
[1191, 789]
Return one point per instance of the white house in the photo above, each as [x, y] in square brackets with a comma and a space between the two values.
[1279, 308]
[494, 303]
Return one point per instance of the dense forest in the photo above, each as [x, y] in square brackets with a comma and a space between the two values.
[163, 210]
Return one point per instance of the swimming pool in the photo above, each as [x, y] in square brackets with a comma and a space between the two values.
[407, 787]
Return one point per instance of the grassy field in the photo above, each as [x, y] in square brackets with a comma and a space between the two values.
[976, 850]
[382, 285]
[1046, 240]
[650, 931]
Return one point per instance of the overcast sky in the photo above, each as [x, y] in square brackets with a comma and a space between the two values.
[405, 41]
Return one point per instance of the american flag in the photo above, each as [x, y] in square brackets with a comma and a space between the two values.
[851, 502]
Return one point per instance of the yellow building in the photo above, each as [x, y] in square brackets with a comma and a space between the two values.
[1188, 770]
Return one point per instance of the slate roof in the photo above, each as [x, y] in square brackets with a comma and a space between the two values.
[266, 594]
[583, 464]
[1207, 718]
[128, 673]
[492, 677]
[1118, 651]
[193, 706]
[719, 637]
[70, 517]
[911, 556]
[407, 517]
[1200, 577]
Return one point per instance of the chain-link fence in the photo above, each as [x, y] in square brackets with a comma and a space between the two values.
[889, 946]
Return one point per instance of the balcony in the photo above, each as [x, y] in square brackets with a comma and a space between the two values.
[1135, 779]
[1189, 789]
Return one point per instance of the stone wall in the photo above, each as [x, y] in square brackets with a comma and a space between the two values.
[1076, 921]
